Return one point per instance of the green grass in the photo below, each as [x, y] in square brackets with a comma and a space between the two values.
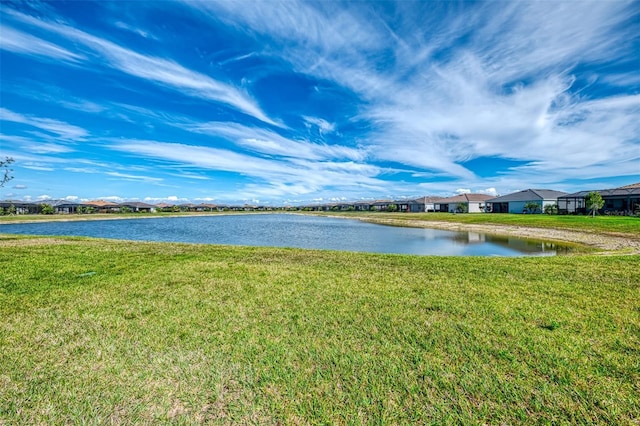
[97, 331]
[602, 224]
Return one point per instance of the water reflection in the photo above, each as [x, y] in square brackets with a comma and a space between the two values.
[514, 243]
[299, 231]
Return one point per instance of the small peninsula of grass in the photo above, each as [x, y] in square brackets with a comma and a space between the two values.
[97, 331]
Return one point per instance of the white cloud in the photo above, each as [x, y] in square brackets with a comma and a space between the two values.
[323, 125]
[81, 170]
[508, 90]
[270, 143]
[158, 70]
[279, 176]
[463, 191]
[131, 177]
[58, 128]
[169, 199]
[18, 42]
[39, 167]
[135, 30]
[111, 198]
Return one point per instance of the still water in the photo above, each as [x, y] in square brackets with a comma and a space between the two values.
[288, 230]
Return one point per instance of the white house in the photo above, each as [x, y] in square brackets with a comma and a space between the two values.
[474, 203]
[516, 202]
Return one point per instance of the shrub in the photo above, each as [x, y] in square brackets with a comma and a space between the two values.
[532, 207]
[46, 209]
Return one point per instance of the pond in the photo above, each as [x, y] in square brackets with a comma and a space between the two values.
[298, 231]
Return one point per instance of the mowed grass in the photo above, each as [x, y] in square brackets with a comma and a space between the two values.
[602, 224]
[97, 331]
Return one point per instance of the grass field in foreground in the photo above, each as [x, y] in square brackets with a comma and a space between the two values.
[97, 331]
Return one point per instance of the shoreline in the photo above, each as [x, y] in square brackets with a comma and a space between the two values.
[605, 243]
[602, 241]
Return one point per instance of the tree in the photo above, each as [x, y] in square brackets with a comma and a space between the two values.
[392, 208]
[6, 174]
[462, 208]
[551, 209]
[532, 206]
[594, 202]
[46, 209]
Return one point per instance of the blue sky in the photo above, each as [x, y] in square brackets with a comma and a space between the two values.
[297, 102]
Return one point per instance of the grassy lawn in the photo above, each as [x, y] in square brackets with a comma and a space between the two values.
[97, 331]
[602, 224]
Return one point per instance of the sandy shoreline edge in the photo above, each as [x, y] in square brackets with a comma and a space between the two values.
[606, 242]
[602, 241]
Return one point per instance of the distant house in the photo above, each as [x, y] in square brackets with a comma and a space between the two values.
[516, 202]
[166, 207]
[102, 206]
[19, 207]
[473, 203]
[423, 204]
[138, 206]
[63, 206]
[618, 201]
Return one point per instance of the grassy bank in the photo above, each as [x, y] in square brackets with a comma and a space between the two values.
[602, 224]
[98, 331]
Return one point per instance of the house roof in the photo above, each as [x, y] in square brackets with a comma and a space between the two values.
[623, 191]
[17, 203]
[426, 200]
[101, 203]
[60, 203]
[138, 204]
[632, 186]
[529, 195]
[464, 198]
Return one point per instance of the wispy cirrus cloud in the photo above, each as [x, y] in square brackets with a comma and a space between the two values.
[57, 128]
[323, 125]
[270, 143]
[289, 175]
[19, 42]
[301, 99]
[164, 72]
[498, 80]
[130, 177]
